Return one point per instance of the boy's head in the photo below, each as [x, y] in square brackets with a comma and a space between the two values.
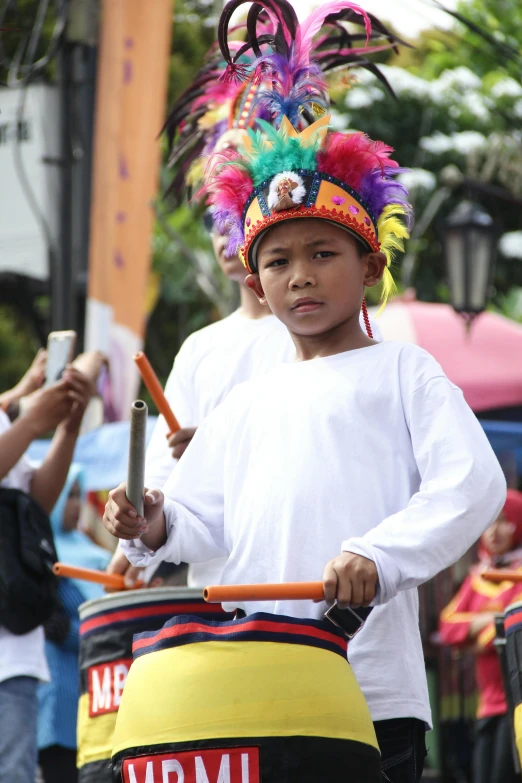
[288, 193]
[312, 274]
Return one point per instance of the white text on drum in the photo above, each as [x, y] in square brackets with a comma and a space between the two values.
[106, 683]
[234, 765]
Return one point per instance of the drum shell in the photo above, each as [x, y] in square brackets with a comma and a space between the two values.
[270, 691]
[107, 628]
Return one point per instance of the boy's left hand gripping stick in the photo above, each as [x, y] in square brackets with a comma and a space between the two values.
[136, 471]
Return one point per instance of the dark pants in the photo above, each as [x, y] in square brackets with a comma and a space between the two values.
[58, 765]
[403, 749]
[493, 755]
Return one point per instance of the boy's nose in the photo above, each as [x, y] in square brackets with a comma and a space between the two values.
[301, 278]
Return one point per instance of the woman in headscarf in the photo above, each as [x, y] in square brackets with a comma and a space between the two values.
[469, 620]
[58, 699]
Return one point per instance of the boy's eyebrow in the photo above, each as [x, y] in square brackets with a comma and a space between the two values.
[313, 243]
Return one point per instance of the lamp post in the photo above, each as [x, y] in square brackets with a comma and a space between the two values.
[469, 242]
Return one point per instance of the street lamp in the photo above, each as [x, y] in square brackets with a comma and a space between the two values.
[469, 242]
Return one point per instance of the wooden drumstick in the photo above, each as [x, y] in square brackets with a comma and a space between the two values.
[501, 575]
[137, 443]
[150, 379]
[288, 591]
[115, 581]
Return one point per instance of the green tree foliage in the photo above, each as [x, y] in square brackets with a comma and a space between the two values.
[495, 43]
[18, 347]
[449, 113]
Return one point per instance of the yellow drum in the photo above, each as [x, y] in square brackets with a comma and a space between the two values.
[107, 627]
[265, 698]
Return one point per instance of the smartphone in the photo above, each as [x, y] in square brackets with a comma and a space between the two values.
[60, 351]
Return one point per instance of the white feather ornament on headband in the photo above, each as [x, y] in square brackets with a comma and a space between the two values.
[287, 190]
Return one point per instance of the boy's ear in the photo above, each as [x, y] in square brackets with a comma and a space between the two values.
[254, 283]
[375, 265]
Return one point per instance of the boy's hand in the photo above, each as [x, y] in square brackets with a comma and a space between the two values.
[120, 565]
[121, 518]
[351, 579]
[179, 441]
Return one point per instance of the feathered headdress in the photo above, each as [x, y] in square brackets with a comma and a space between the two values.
[281, 69]
[281, 174]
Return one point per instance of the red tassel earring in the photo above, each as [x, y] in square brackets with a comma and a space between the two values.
[366, 319]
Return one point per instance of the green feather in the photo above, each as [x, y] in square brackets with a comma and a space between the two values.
[272, 152]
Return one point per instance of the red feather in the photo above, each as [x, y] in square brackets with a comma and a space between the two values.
[350, 157]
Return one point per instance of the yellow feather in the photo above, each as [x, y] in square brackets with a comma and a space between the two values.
[195, 173]
[392, 231]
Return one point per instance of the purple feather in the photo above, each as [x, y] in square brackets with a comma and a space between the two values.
[227, 223]
[378, 189]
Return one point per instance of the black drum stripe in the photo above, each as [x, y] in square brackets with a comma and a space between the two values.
[285, 759]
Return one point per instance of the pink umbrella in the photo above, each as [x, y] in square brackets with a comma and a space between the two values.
[485, 363]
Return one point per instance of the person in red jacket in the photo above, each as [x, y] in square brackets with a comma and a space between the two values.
[469, 620]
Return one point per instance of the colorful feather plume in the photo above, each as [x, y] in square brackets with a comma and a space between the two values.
[356, 163]
[281, 69]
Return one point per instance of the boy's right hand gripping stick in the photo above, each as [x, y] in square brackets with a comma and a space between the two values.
[150, 379]
[136, 469]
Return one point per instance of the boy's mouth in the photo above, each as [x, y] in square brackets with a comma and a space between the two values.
[305, 305]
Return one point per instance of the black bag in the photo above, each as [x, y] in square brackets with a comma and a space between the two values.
[28, 587]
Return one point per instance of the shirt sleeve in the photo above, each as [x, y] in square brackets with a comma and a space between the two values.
[194, 502]
[462, 490]
[159, 462]
[456, 617]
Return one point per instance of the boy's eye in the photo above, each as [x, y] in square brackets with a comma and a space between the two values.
[324, 254]
[277, 262]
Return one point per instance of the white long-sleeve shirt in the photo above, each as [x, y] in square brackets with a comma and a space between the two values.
[209, 364]
[371, 451]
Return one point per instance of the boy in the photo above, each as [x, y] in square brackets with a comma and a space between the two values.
[360, 462]
[251, 341]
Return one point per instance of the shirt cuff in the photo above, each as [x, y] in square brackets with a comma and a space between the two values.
[140, 555]
[388, 573]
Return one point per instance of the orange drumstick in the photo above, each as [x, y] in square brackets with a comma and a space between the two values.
[288, 591]
[150, 379]
[90, 575]
[501, 575]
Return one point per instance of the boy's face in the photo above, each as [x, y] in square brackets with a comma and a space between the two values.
[312, 275]
[231, 267]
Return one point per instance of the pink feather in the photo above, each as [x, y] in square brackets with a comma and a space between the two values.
[228, 186]
[315, 21]
[350, 157]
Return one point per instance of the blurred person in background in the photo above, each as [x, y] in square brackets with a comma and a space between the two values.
[22, 657]
[468, 620]
[58, 699]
